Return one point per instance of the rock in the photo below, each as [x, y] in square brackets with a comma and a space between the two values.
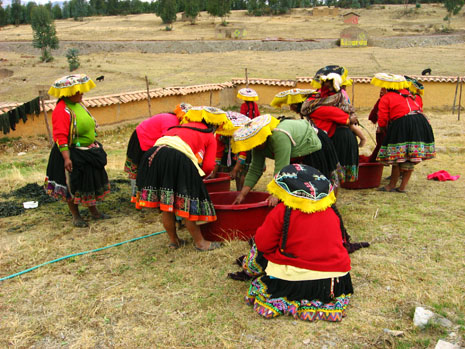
[445, 345]
[394, 333]
[422, 316]
[21, 153]
[306, 341]
[442, 321]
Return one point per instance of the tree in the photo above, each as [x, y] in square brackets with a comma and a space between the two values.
[191, 9]
[44, 32]
[219, 8]
[78, 9]
[56, 12]
[16, 12]
[72, 55]
[167, 11]
[29, 7]
[3, 18]
[453, 7]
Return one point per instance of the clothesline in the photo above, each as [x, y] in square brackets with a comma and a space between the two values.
[9, 119]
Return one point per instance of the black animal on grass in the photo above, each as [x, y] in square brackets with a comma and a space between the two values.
[427, 71]
[100, 78]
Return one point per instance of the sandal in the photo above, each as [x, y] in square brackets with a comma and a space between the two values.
[397, 190]
[175, 246]
[80, 223]
[384, 189]
[213, 246]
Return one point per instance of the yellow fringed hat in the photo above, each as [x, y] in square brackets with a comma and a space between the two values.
[293, 96]
[390, 81]
[253, 133]
[237, 119]
[69, 85]
[337, 69]
[211, 115]
[415, 87]
[247, 94]
[181, 109]
[303, 188]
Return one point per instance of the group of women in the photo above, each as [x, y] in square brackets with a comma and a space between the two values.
[299, 258]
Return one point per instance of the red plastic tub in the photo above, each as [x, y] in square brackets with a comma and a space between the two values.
[369, 176]
[236, 222]
[222, 182]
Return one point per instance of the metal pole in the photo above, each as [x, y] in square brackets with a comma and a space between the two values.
[148, 95]
[50, 138]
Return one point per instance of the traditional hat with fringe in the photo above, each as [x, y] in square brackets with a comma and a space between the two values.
[415, 87]
[293, 96]
[390, 81]
[247, 94]
[302, 187]
[69, 85]
[181, 109]
[253, 133]
[211, 115]
[316, 81]
[237, 120]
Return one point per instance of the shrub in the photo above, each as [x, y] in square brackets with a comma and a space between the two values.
[73, 58]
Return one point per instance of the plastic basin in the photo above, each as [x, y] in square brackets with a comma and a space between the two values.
[369, 176]
[236, 222]
[222, 182]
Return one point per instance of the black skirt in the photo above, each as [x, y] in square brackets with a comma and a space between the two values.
[346, 147]
[134, 154]
[87, 184]
[409, 138]
[167, 179]
[324, 160]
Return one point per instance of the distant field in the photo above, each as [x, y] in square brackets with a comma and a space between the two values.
[21, 73]
[389, 20]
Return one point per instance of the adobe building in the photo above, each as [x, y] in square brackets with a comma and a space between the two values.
[351, 18]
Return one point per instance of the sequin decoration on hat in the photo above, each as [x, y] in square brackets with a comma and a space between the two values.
[247, 94]
[390, 81]
[69, 85]
[293, 96]
[316, 81]
[211, 115]
[253, 133]
[416, 87]
[302, 187]
[237, 119]
[181, 109]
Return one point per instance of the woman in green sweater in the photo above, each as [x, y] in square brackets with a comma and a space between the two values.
[76, 167]
[288, 141]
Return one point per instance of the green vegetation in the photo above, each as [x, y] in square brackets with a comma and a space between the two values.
[44, 32]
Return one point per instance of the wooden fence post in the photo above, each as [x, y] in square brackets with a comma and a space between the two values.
[42, 95]
[455, 96]
[460, 100]
[148, 95]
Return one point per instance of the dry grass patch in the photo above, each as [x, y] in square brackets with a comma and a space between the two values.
[142, 294]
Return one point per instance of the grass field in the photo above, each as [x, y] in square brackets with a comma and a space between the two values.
[144, 295]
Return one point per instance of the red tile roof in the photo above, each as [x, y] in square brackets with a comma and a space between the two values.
[127, 97]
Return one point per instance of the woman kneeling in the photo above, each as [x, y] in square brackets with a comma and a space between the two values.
[298, 257]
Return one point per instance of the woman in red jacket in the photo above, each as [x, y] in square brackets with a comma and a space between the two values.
[170, 174]
[329, 111]
[298, 256]
[249, 108]
[76, 167]
[409, 136]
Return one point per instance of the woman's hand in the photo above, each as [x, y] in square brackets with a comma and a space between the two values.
[68, 165]
[239, 198]
[67, 160]
[272, 200]
[353, 119]
[235, 170]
